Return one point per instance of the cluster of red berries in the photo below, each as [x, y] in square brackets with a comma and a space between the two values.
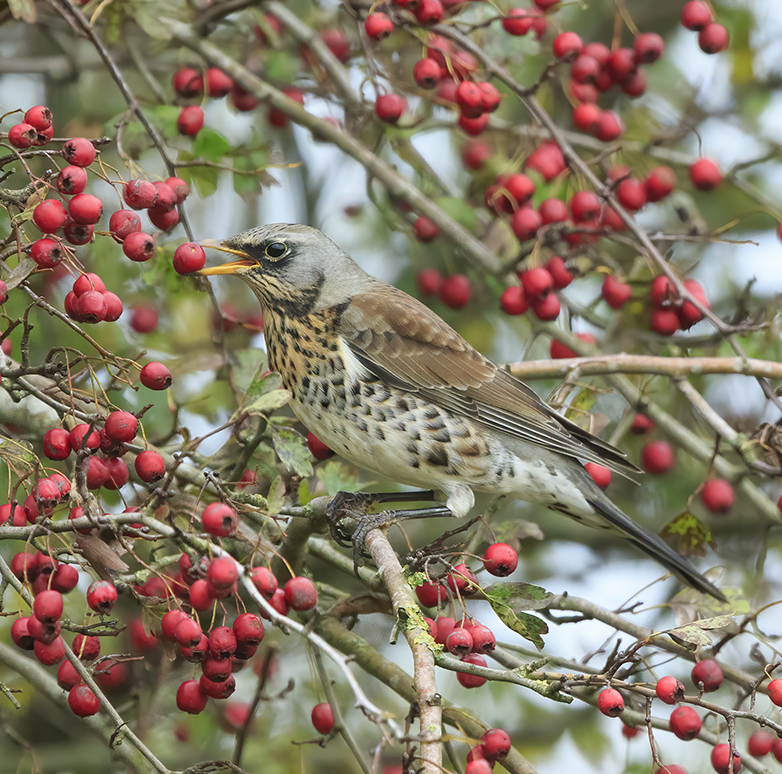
[712, 37]
[454, 291]
[536, 291]
[495, 746]
[89, 301]
[35, 130]
[670, 312]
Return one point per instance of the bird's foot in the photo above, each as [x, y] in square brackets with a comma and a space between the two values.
[347, 506]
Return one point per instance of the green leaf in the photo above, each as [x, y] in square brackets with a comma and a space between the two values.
[267, 403]
[689, 534]
[336, 477]
[210, 145]
[276, 497]
[580, 406]
[460, 210]
[18, 455]
[292, 450]
[694, 634]
[508, 600]
[204, 179]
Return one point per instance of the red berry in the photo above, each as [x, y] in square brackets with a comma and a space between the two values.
[688, 313]
[469, 99]
[322, 718]
[455, 291]
[222, 643]
[77, 233]
[471, 681]
[599, 474]
[759, 743]
[163, 219]
[189, 257]
[426, 73]
[584, 206]
[429, 12]
[496, 744]
[67, 676]
[721, 759]
[82, 701]
[218, 690]
[431, 594]
[631, 194]
[537, 282]
[707, 675]
[648, 47]
[443, 626]
[248, 629]
[218, 83]
[138, 246]
[518, 21]
[429, 281]
[187, 632]
[86, 648]
[188, 82]
[553, 211]
[609, 126]
[664, 321]
[713, 38]
[660, 183]
[546, 308]
[101, 596]
[166, 196]
[39, 117]
[46, 252]
[483, 640]
[586, 117]
[49, 215]
[47, 606]
[64, 578]
[85, 209]
[525, 223]
[705, 175]
[463, 579]
[685, 723]
[79, 151]
[657, 457]
[337, 43]
[584, 69]
[425, 229]
[317, 448]
[78, 437]
[696, 14]
[144, 319]
[478, 765]
[389, 107]
[378, 26]
[669, 689]
[490, 96]
[190, 698]
[548, 160]
[775, 691]
[567, 46]
[219, 519]
[264, 580]
[561, 277]
[513, 301]
[610, 702]
[155, 376]
[57, 444]
[459, 642]
[190, 120]
[641, 424]
[630, 732]
[622, 63]
[615, 293]
[50, 653]
[718, 497]
[20, 634]
[139, 194]
[121, 426]
[71, 180]
[122, 223]
[300, 593]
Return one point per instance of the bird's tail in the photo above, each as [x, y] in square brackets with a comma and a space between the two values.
[653, 545]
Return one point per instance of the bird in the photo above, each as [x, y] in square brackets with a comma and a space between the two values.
[387, 384]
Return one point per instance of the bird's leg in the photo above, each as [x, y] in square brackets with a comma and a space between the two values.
[354, 505]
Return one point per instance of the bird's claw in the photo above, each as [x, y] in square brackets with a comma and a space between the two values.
[346, 506]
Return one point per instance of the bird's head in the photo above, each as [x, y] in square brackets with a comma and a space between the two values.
[291, 267]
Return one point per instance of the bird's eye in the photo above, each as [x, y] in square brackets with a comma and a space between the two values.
[276, 250]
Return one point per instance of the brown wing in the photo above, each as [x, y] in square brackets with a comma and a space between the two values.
[404, 343]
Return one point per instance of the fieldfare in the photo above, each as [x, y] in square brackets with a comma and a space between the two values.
[389, 386]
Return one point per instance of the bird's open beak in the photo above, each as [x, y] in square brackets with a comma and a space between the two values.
[232, 267]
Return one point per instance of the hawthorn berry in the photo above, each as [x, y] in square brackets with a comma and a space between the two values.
[300, 593]
[586, 117]
[378, 26]
[718, 497]
[426, 73]
[483, 640]
[47, 606]
[117, 474]
[459, 642]
[713, 38]
[664, 321]
[685, 723]
[188, 82]
[218, 83]
[82, 436]
[759, 743]
[429, 12]
[190, 697]
[671, 768]
[615, 293]
[630, 732]
[39, 117]
[189, 257]
[775, 691]
[190, 120]
[500, 559]
[144, 319]
[67, 676]
[553, 211]
[155, 376]
[389, 107]
[431, 594]
[546, 308]
[187, 632]
[657, 457]
[322, 718]
[50, 653]
[707, 675]
[610, 702]
[513, 301]
[248, 629]
[599, 474]
[561, 277]
[77, 233]
[496, 744]
[79, 151]
[150, 466]
[429, 281]
[57, 444]
[85, 209]
[467, 680]
[264, 580]
[659, 184]
[121, 426]
[82, 701]
[425, 229]
[567, 46]
[721, 759]
[490, 96]
[86, 648]
[166, 196]
[222, 573]
[705, 174]
[455, 291]
[317, 448]
[139, 194]
[631, 194]
[537, 282]
[696, 14]
[525, 223]
[20, 633]
[609, 126]
[669, 689]
[101, 596]
[50, 215]
[71, 180]
[641, 424]
[584, 69]
[138, 246]
[219, 519]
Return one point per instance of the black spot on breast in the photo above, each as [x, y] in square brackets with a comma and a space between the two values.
[379, 434]
[436, 424]
[432, 412]
[442, 436]
[437, 455]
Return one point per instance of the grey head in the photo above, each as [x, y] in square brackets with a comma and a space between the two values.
[294, 268]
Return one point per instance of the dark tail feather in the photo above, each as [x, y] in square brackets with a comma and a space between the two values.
[655, 546]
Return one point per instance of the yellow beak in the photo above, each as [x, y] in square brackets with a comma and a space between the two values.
[232, 267]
